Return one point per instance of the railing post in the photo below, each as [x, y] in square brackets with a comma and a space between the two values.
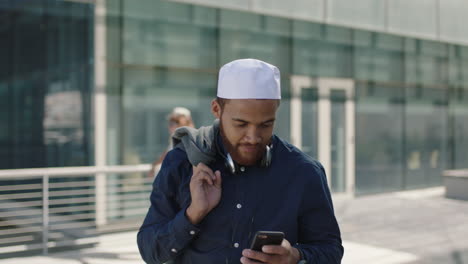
[45, 214]
[101, 199]
[100, 109]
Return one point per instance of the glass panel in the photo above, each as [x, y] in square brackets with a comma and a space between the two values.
[283, 120]
[67, 117]
[148, 98]
[338, 141]
[457, 66]
[151, 9]
[426, 62]
[159, 41]
[228, 4]
[378, 57]
[254, 36]
[230, 19]
[310, 122]
[169, 59]
[46, 78]
[426, 136]
[458, 77]
[331, 56]
[306, 30]
[379, 138]
[459, 113]
[6, 111]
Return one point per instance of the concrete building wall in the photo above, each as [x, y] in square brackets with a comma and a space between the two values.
[430, 19]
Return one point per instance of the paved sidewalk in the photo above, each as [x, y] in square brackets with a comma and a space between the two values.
[412, 227]
[116, 248]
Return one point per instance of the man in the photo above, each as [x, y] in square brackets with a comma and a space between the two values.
[221, 184]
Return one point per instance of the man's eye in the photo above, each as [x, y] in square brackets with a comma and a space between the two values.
[266, 125]
[241, 125]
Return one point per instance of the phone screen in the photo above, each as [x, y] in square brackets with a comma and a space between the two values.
[263, 238]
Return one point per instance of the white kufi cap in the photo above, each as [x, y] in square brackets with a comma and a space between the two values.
[249, 79]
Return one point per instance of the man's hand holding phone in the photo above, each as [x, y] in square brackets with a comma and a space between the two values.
[271, 252]
[205, 191]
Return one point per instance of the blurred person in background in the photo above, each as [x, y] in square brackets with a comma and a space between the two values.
[180, 116]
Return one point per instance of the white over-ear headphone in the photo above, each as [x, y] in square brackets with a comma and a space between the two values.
[233, 167]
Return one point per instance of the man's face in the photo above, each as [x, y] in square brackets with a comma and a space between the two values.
[246, 127]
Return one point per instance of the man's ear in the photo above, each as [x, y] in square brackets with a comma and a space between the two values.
[216, 109]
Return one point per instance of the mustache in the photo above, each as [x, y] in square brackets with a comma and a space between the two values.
[258, 145]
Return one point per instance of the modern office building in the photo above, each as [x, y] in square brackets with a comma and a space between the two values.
[376, 90]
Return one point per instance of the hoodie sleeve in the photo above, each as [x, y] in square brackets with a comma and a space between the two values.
[166, 231]
[319, 239]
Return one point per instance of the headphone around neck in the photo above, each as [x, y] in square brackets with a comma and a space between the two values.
[234, 168]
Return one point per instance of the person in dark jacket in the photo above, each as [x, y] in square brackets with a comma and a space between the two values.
[223, 183]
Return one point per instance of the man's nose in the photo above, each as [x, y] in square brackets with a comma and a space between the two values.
[253, 136]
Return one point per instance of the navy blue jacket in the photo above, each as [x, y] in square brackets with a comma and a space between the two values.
[291, 196]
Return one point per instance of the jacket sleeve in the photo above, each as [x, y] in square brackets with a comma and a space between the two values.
[166, 231]
[319, 235]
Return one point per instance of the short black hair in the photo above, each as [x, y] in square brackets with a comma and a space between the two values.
[222, 101]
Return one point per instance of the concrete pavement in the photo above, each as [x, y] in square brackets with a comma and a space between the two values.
[411, 227]
[118, 248]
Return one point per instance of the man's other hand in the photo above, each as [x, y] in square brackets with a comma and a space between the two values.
[283, 254]
[205, 191]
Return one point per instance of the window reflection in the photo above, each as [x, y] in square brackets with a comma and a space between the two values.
[45, 84]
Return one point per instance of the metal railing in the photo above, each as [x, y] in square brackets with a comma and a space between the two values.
[47, 208]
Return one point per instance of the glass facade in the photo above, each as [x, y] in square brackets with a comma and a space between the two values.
[46, 81]
[46, 51]
[410, 94]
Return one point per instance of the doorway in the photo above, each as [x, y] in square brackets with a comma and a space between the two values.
[326, 119]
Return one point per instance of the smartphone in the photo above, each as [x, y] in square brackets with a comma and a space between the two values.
[263, 238]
